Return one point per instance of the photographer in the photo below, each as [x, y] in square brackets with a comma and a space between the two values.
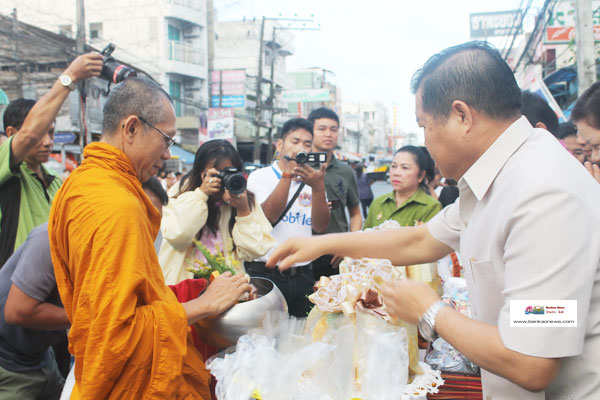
[26, 186]
[275, 186]
[201, 207]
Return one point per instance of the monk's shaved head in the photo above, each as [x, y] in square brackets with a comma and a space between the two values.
[134, 96]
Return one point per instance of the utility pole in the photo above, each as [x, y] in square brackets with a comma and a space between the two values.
[257, 111]
[80, 47]
[271, 99]
[259, 78]
[19, 80]
[584, 37]
[210, 31]
[272, 88]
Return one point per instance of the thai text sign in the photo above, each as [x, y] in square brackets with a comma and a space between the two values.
[498, 23]
[305, 95]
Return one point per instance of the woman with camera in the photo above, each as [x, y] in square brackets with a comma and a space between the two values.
[211, 204]
[409, 203]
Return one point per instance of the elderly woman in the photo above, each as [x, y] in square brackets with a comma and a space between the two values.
[586, 115]
[409, 203]
[201, 208]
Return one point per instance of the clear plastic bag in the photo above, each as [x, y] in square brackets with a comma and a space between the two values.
[283, 362]
[382, 358]
[269, 362]
[442, 356]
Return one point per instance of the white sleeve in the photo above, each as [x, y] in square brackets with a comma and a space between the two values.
[258, 185]
[252, 235]
[183, 217]
[445, 226]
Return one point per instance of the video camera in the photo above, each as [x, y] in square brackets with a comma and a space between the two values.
[232, 180]
[112, 71]
[308, 158]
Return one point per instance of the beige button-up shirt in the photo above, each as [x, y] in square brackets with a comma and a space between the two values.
[527, 224]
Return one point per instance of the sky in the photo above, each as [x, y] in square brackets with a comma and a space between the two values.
[374, 46]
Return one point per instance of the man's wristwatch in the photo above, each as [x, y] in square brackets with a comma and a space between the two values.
[66, 81]
[427, 321]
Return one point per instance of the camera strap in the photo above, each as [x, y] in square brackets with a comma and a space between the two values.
[289, 204]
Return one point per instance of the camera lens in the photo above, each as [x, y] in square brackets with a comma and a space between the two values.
[235, 183]
[301, 158]
[114, 72]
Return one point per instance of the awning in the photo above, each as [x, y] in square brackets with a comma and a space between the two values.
[3, 98]
[185, 156]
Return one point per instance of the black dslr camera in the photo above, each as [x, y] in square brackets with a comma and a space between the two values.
[112, 71]
[309, 158]
[232, 180]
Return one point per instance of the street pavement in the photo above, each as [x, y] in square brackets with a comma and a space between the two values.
[380, 187]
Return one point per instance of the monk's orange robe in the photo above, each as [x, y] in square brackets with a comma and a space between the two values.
[129, 334]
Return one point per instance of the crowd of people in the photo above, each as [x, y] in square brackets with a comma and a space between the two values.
[105, 254]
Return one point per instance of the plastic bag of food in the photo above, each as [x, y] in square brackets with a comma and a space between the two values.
[382, 358]
[442, 356]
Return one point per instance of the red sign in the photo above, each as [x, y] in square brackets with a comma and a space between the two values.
[564, 34]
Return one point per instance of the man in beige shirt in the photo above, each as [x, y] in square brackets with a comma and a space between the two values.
[526, 223]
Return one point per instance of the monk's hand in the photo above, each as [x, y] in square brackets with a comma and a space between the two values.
[224, 292]
[294, 250]
[407, 299]
[211, 183]
[594, 169]
[238, 201]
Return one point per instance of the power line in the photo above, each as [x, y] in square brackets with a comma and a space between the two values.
[514, 38]
[535, 31]
[513, 29]
[541, 36]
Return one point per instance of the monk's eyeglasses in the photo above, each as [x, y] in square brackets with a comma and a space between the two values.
[169, 141]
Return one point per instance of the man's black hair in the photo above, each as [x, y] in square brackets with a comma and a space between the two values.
[472, 72]
[537, 110]
[323, 112]
[567, 129]
[155, 187]
[293, 125]
[587, 107]
[15, 113]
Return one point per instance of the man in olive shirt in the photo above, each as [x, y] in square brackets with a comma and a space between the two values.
[340, 183]
[26, 186]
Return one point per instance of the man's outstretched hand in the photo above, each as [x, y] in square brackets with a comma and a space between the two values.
[295, 250]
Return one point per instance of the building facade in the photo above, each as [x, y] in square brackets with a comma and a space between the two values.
[165, 38]
[367, 127]
[237, 48]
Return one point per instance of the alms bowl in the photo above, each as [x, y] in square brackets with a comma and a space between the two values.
[224, 330]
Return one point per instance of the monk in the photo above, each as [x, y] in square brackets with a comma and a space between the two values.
[129, 334]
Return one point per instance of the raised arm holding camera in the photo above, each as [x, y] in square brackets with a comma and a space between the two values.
[211, 204]
[26, 187]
